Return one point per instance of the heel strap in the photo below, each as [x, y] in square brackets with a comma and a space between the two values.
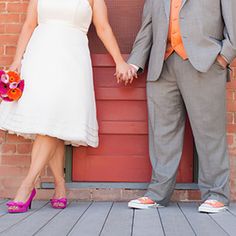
[60, 200]
[17, 204]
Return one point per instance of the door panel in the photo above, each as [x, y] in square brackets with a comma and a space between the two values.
[122, 155]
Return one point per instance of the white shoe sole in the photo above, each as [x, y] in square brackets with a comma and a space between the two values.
[204, 209]
[142, 206]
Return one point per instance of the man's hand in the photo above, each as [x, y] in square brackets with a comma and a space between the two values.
[125, 73]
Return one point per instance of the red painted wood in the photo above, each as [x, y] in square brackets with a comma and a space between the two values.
[122, 155]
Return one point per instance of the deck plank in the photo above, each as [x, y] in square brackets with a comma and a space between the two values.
[226, 220]
[63, 222]
[174, 222]
[92, 221]
[202, 224]
[9, 220]
[147, 222]
[32, 224]
[2, 201]
[119, 221]
[3, 209]
[107, 218]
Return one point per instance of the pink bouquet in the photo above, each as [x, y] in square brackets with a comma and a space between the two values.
[11, 86]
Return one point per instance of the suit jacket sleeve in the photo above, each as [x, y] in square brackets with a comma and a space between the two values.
[143, 42]
[229, 42]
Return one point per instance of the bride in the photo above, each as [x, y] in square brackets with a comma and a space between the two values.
[58, 104]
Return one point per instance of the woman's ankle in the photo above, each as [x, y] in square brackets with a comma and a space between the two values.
[59, 182]
[28, 184]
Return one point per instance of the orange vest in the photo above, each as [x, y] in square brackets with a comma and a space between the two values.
[174, 42]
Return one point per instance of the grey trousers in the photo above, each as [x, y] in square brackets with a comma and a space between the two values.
[181, 87]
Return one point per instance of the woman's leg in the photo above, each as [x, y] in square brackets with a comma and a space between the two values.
[56, 165]
[44, 148]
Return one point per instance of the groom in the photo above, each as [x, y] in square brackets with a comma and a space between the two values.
[189, 44]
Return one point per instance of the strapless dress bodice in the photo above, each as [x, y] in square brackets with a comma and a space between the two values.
[72, 13]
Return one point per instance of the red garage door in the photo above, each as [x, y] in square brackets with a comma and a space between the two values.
[122, 155]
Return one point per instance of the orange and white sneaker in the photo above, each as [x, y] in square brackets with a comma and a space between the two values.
[212, 206]
[142, 203]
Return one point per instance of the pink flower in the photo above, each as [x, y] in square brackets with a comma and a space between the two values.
[21, 85]
[4, 78]
[4, 88]
[6, 99]
[13, 85]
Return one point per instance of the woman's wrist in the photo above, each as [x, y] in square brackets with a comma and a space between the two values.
[16, 61]
[119, 61]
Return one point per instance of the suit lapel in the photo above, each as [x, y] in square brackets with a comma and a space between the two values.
[183, 2]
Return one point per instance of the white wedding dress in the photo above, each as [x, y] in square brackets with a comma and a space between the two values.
[58, 99]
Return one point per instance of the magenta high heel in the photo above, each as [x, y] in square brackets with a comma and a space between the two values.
[60, 203]
[21, 207]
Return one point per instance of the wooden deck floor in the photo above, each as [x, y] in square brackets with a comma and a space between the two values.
[115, 219]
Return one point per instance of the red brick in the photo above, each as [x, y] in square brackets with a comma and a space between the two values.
[230, 94]
[8, 39]
[6, 60]
[10, 138]
[24, 148]
[2, 7]
[230, 138]
[13, 28]
[10, 50]
[231, 128]
[1, 50]
[12, 171]
[2, 28]
[8, 148]
[231, 106]
[230, 118]
[233, 73]
[15, 160]
[11, 182]
[80, 194]
[17, 7]
[231, 85]
[9, 18]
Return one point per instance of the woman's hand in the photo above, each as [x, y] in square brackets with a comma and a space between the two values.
[125, 72]
[15, 66]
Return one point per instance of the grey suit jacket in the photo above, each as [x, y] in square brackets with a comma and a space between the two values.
[208, 28]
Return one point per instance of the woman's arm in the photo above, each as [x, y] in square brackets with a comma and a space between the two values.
[26, 32]
[104, 32]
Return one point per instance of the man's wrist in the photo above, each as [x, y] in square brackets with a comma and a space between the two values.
[135, 67]
[225, 58]
[222, 60]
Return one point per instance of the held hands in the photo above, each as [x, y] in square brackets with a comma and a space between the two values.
[125, 73]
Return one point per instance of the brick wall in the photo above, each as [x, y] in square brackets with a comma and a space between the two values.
[15, 152]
